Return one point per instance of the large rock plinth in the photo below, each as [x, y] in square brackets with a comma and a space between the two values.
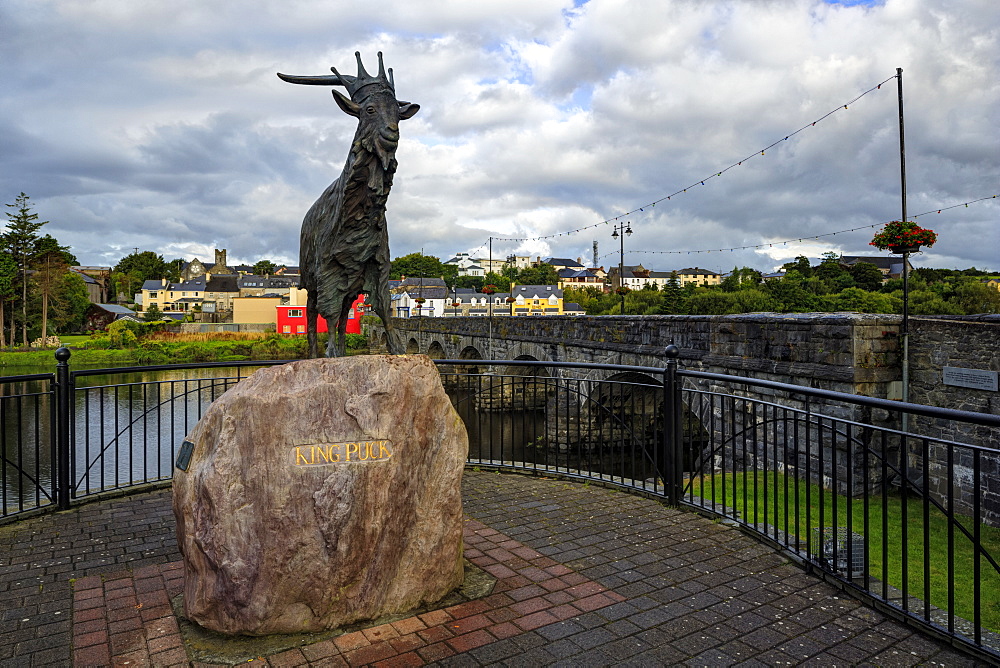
[320, 493]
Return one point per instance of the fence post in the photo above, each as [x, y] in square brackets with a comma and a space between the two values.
[673, 436]
[64, 397]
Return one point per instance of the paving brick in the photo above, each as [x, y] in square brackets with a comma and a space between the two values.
[369, 654]
[695, 591]
[95, 655]
[435, 617]
[535, 620]
[435, 652]
[351, 641]
[408, 625]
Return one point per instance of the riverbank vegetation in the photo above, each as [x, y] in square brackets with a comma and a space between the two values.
[829, 287]
[129, 343]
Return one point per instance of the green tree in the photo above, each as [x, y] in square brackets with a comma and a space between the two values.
[800, 264]
[674, 300]
[8, 283]
[174, 270]
[417, 265]
[713, 302]
[48, 279]
[741, 278]
[500, 282]
[592, 299]
[19, 240]
[866, 276]
[856, 299]
[264, 268]
[793, 293]
[833, 274]
[974, 297]
[928, 302]
[47, 246]
[474, 282]
[152, 314]
[543, 274]
[68, 303]
[135, 269]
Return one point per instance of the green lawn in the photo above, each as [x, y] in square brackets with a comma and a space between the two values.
[766, 496]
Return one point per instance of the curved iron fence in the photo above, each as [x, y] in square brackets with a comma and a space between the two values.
[906, 517]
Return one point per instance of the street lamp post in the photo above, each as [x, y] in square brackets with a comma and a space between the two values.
[625, 229]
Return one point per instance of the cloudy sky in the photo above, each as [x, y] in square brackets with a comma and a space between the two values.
[160, 125]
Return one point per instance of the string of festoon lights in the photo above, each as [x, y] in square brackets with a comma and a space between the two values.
[704, 181]
[814, 237]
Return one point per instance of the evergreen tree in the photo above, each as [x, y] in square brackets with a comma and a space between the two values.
[19, 239]
[8, 283]
[674, 299]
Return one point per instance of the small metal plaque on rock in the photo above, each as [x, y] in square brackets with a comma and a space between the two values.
[977, 379]
[184, 455]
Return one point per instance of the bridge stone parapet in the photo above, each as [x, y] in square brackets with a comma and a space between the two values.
[847, 352]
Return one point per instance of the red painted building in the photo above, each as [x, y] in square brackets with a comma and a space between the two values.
[292, 319]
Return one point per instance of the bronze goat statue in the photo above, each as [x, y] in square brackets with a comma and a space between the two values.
[344, 242]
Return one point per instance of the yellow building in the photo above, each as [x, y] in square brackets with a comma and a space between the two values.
[255, 310]
[173, 297]
[536, 300]
[698, 276]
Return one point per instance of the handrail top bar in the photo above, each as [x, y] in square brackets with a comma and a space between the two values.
[986, 419]
[26, 377]
[558, 365]
[172, 367]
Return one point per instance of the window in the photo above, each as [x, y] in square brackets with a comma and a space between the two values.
[287, 329]
[301, 329]
[294, 313]
[152, 294]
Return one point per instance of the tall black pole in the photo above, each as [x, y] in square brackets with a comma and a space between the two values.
[489, 300]
[906, 256]
[902, 190]
[621, 269]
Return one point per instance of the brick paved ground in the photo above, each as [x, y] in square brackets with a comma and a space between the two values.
[676, 589]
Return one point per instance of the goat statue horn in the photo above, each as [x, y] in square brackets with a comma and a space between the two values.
[325, 80]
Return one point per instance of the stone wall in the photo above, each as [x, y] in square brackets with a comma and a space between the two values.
[847, 352]
[972, 343]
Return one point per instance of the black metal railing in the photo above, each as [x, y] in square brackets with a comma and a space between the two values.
[909, 519]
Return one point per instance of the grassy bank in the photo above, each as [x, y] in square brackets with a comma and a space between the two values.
[763, 499]
[121, 349]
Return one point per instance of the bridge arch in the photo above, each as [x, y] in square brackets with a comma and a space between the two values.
[412, 347]
[436, 351]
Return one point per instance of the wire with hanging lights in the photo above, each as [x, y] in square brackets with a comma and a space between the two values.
[701, 182]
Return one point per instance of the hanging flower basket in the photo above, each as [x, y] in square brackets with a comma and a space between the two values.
[456, 304]
[622, 290]
[489, 289]
[420, 300]
[510, 300]
[903, 237]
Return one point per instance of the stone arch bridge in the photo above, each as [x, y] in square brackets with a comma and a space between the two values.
[846, 352]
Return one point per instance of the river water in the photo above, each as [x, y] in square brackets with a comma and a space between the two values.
[129, 427]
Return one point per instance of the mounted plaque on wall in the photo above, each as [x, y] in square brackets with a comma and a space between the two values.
[977, 379]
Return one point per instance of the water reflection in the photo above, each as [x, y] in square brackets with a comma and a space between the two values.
[126, 430]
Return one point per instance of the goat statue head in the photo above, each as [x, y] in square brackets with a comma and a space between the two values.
[372, 101]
